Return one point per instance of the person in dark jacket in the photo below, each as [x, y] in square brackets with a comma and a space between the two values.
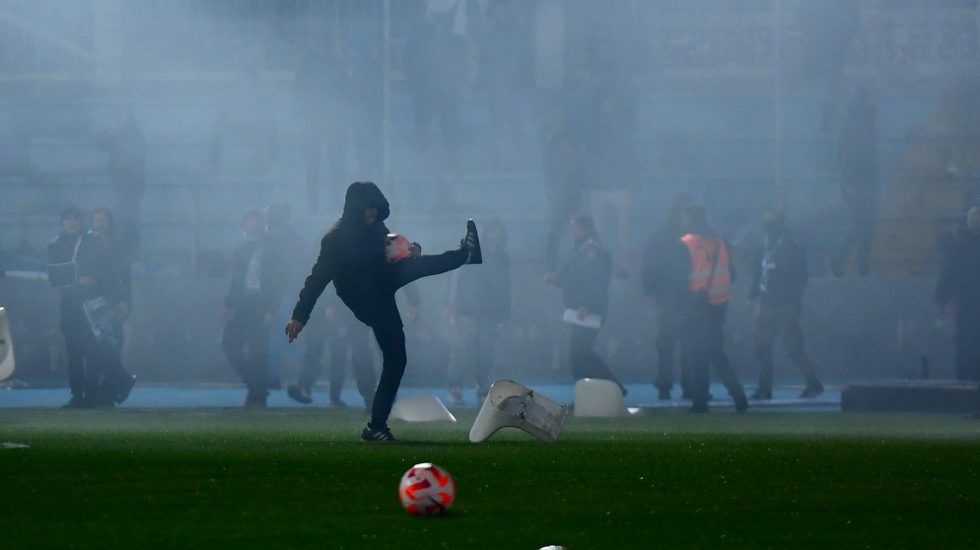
[710, 277]
[90, 276]
[584, 281]
[126, 149]
[859, 174]
[779, 279]
[958, 292]
[664, 279]
[352, 255]
[249, 309]
[118, 382]
[479, 304]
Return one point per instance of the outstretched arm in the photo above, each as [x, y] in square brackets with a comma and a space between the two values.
[318, 280]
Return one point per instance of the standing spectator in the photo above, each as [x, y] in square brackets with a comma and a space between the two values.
[565, 186]
[479, 303]
[435, 68]
[779, 279]
[710, 279]
[126, 147]
[664, 278]
[117, 382]
[584, 281]
[858, 158]
[249, 310]
[958, 292]
[80, 266]
[321, 96]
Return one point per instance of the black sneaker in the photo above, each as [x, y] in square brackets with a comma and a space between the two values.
[125, 387]
[472, 242]
[812, 390]
[699, 407]
[300, 394]
[741, 403]
[75, 402]
[254, 401]
[377, 434]
[761, 394]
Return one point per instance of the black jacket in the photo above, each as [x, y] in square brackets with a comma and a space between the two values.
[787, 271]
[93, 260]
[959, 276]
[666, 263]
[265, 297]
[584, 279]
[352, 255]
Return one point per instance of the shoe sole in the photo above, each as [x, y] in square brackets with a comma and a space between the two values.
[476, 255]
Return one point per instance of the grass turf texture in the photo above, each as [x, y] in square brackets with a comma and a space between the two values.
[302, 478]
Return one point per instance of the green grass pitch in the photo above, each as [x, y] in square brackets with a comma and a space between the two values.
[223, 478]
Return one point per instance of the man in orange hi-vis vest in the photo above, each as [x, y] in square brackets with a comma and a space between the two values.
[709, 291]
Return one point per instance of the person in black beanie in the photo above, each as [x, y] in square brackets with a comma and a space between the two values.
[353, 256]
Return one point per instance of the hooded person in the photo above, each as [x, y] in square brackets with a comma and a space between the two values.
[352, 256]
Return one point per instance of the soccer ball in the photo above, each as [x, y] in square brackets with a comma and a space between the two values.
[397, 248]
[426, 489]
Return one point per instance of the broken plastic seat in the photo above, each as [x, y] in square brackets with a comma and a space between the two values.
[421, 408]
[598, 398]
[512, 405]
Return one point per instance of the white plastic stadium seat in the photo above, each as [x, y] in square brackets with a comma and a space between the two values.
[595, 397]
[511, 405]
[421, 408]
[6, 347]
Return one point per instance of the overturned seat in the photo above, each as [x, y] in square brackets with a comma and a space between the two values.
[421, 408]
[512, 405]
[598, 398]
[6, 347]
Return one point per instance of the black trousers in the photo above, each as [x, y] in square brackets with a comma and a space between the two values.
[342, 334]
[704, 348]
[967, 344]
[390, 334]
[475, 350]
[245, 343]
[863, 209]
[773, 320]
[81, 351]
[565, 203]
[586, 363]
[668, 343]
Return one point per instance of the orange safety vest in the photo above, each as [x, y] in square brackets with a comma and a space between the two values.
[716, 282]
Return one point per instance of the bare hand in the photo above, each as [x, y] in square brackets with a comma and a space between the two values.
[293, 328]
[582, 313]
[87, 280]
[415, 250]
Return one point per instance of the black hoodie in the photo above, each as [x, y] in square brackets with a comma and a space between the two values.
[352, 255]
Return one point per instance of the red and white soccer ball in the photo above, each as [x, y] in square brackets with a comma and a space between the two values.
[426, 489]
[397, 248]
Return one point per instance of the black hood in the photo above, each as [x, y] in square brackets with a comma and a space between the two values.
[360, 196]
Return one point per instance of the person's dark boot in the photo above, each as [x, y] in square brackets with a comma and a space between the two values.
[699, 407]
[125, 387]
[812, 389]
[762, 394]
[741, 403]
[76, 402]
[472, 243]
[299, 394]
[255, 401]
